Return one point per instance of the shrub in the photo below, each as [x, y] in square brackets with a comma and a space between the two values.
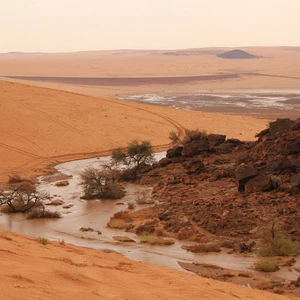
[154, 240]
[279, 246]
[15, 178]
[123, 214]
[190, 135]
[101, 184]
[117, 223]
[266, 266]
[41, 213]
[21, 197]
[204, 247]
[134, 157]
[43, 240]
[130, 205]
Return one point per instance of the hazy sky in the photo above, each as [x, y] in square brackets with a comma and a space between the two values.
[73, 25]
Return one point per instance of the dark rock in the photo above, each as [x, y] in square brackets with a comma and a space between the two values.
[243, 173]
[244, 158]
[251, 245]
[164, 162]
[193, 166]
[280, 125]
[215, 140]
[293, 147]
[226, 147]
[194, 148]
[176, 151]
[260, 183]
[295, 180]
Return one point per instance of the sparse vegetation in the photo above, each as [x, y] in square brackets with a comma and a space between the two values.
[203, 247]
[154, 240]
[279, 246]
[117, 223]
[21, 197]
[101, 184]
[189, 136]
[131, 205]
[42, 213]
[43, 240]
[266, 266]
[135, 156]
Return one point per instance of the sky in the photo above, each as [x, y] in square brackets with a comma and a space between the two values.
[79, 25]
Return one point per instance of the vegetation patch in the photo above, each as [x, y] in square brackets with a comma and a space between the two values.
[155, 240]
[43, 240]
[203, 247]
[101, 184]
[279, 246]
[41, 213]
[266, 266]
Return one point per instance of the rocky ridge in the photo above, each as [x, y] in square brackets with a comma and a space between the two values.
[215, 187]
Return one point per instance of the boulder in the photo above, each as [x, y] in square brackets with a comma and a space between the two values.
[215, 140]
[174, 152]
[195, 147]
[280, 125]
[243, 173]
[193, 167]
[164, 162]
[295, 180]
[259, 183]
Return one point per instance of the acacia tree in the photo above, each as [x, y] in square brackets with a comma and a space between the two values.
[134, 155]
[21, 197]
[101, 184]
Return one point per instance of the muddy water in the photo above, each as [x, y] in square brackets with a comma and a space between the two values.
[95, 214]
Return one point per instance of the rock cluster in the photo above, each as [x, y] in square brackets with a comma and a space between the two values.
[228, 187]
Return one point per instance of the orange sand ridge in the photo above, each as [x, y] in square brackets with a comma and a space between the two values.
[31, 270]
[41, 126]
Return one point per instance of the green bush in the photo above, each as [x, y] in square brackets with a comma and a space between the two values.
[101, 184]
[265, 266]
[279, 246]
[41, 213]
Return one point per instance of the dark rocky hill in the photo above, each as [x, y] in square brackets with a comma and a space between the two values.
[237, 54]
[212, 187]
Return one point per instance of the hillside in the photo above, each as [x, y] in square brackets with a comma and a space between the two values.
[237, 54]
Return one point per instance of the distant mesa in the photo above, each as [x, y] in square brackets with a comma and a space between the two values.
[237, 54]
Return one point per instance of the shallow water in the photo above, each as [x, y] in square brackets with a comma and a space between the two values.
[96, 214]
[273, 104]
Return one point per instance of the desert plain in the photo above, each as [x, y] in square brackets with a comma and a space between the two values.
[46, 119]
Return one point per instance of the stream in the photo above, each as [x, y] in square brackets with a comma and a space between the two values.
[96, 213]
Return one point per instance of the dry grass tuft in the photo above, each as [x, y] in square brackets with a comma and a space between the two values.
[203, 247]
[154, 240]
[117, 223]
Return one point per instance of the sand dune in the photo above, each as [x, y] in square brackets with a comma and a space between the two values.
[41, 126]
[31, 270]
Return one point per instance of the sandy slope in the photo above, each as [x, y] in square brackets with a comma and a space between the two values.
[42, 126]
[30, 270]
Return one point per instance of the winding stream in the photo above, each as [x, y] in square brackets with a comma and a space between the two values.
[96, 214]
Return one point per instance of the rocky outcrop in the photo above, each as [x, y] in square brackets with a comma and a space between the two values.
[213, 186]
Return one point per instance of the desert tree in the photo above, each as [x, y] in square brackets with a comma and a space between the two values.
[22, 197]
[101, 183]
[134, 155]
